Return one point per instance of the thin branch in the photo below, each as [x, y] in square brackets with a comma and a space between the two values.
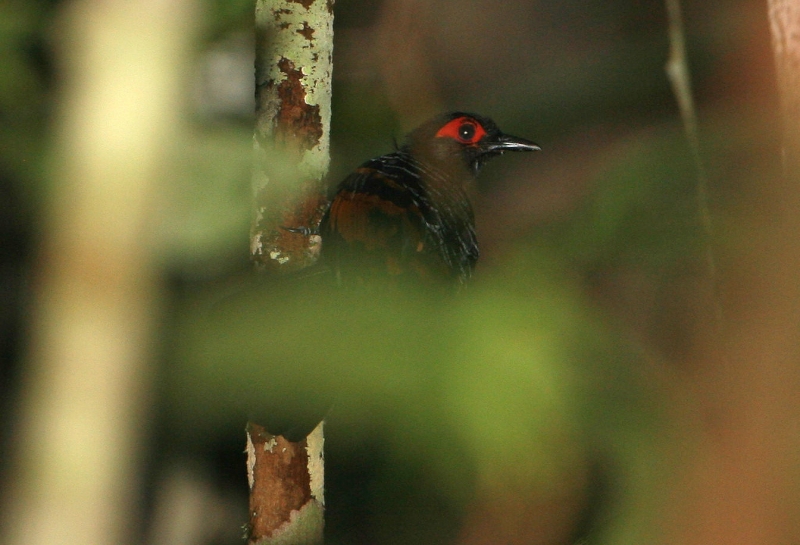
[677, 69]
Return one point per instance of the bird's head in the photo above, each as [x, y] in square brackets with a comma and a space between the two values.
[463, 138]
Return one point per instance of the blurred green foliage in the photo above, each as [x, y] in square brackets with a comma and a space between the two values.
[516, 382]
[644, 209]
[207, 210]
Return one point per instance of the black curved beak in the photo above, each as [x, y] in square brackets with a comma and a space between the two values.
[506, 142]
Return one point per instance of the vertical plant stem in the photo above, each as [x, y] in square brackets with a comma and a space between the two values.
[96, 292]
[286, 488]
[294, 46]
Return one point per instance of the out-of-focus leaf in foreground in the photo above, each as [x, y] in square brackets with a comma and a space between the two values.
[511, 381]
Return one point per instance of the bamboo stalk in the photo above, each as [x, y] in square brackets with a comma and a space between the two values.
[87, 376]
[292, 153]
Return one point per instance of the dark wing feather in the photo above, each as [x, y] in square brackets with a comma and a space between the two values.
[374, 228]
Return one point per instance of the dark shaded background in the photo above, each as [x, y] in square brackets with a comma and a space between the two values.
[607, 211]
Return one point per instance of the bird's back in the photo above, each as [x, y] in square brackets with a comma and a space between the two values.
[385, 221]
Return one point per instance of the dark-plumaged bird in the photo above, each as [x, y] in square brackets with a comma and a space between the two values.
[404, 216]
[407, 214]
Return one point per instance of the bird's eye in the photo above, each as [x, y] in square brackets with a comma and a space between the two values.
[466, 132]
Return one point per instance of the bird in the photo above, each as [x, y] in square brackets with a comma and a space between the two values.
[407, 215]
[401, 219]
